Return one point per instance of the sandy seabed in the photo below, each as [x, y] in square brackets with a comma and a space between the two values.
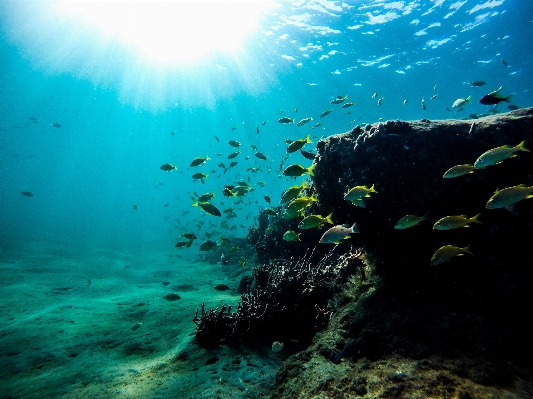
[94, 323]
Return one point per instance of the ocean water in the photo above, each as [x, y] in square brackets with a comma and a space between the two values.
[94, 99]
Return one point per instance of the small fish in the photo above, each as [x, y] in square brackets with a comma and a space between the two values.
[56, 124]
[206, 197]
[267, 199]
[298, 170]
[337, 233]
[359, 192]
[423, 105]
[168, 167]
[455, 222]
[134, 207]
[199, 176]
[285, 119]
[504, 63]
[264, 123]
[300, 203]
[233, 155]
[304, 121]
[497, 155]
[326, 112]
[217, 139]
[477, 83]
[380, 100]
[234, 143]
[433, 97]
[435, 88]
[317, 125]
[257, 129]
[221, 287]
[208, 246]
[298, 144]
[346, 105]
[291, 236]
[234, 128]
[209, 208]
[339, 99]
[312, 221]
[199, 161]
[260, 155]
[243, 262]
[509, 196]
[221, 165]
[458, 170]
[494, 98]
[472, 128]
[253, 147]
[292, 193]
[409, 221]
[233, 164]
[513, 107]
[29, 195]
[461, 101]
[447, 252]
[189, 236]
[374, 95]
[182, 244]
[307, 154]
[404, 102]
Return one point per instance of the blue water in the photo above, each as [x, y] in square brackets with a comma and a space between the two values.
[117, 109]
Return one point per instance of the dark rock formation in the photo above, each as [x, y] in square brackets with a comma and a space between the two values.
[458, 329]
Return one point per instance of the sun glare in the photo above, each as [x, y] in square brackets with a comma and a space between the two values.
[168, 32]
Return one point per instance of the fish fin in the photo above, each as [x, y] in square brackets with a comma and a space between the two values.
[521, 147]
[475, 219]
[468, 99]
[509, 98]
[310, 170]
[468, 249]
[354, 228]
[373, 189]
[328, 218]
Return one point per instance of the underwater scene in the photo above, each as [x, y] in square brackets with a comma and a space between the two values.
[266, 199]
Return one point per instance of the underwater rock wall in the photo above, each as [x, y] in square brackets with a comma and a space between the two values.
[452, 330]
[405, 161]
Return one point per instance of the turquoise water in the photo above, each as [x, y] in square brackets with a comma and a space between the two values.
[117, 108]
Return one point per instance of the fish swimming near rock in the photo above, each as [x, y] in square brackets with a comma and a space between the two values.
[461, 101]
[312, 221]
[292, 192]
[409, 221]
[447, 252]
[509, 196]
[455, 222]
[359, 192]
[458, 170]
[499, 154]
[298, 170]
[291, 236]
[337, 233]
[494, 98]
[298, 144]
[307, 154]
[168, 167]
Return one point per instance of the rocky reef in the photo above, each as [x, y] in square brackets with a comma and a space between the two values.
[458, 329]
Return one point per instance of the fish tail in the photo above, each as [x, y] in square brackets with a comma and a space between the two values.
[468, 249]
[310, 170]
[475, 219]
[328, 218]
[354, 228]
[195, 204]
[468, 99]
[521, 146]
[373, 189]
[308, 138]
[509, 98]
